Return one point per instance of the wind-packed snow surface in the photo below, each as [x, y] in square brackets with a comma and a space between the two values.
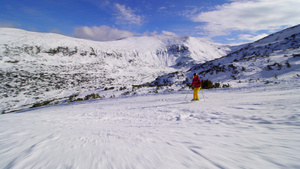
[257, 127]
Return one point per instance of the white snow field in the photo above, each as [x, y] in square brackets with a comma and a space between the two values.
[244, 127]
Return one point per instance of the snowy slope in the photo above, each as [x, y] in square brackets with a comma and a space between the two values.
[45, 67]
[273, 59]
[233, 128]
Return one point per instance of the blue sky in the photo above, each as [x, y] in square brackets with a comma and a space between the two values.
[222, 21]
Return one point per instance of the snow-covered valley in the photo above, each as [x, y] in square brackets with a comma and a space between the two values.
[255, 127]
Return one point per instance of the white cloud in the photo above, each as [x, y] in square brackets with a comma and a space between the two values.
[250, 15]
[168, 33]
[101, 33]
[127, 16]
[162, 8]
[149, 33]
[252, 37]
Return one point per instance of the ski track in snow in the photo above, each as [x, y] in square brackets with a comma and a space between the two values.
[242, 128]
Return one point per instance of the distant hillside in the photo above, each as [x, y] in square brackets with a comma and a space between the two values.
[45, 67]
[273, 59]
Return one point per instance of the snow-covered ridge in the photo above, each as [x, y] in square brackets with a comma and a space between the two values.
[165, 48]
[279, 36]
[269, 60]
[37, 67]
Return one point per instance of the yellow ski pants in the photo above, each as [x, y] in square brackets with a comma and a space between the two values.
[196, 90]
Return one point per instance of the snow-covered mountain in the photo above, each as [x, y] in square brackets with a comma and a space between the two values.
[273, 59]
[45, 67]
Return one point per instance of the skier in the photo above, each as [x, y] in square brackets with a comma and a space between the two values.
[196, 84]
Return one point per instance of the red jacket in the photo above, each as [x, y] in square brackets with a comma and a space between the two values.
[196, 82]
